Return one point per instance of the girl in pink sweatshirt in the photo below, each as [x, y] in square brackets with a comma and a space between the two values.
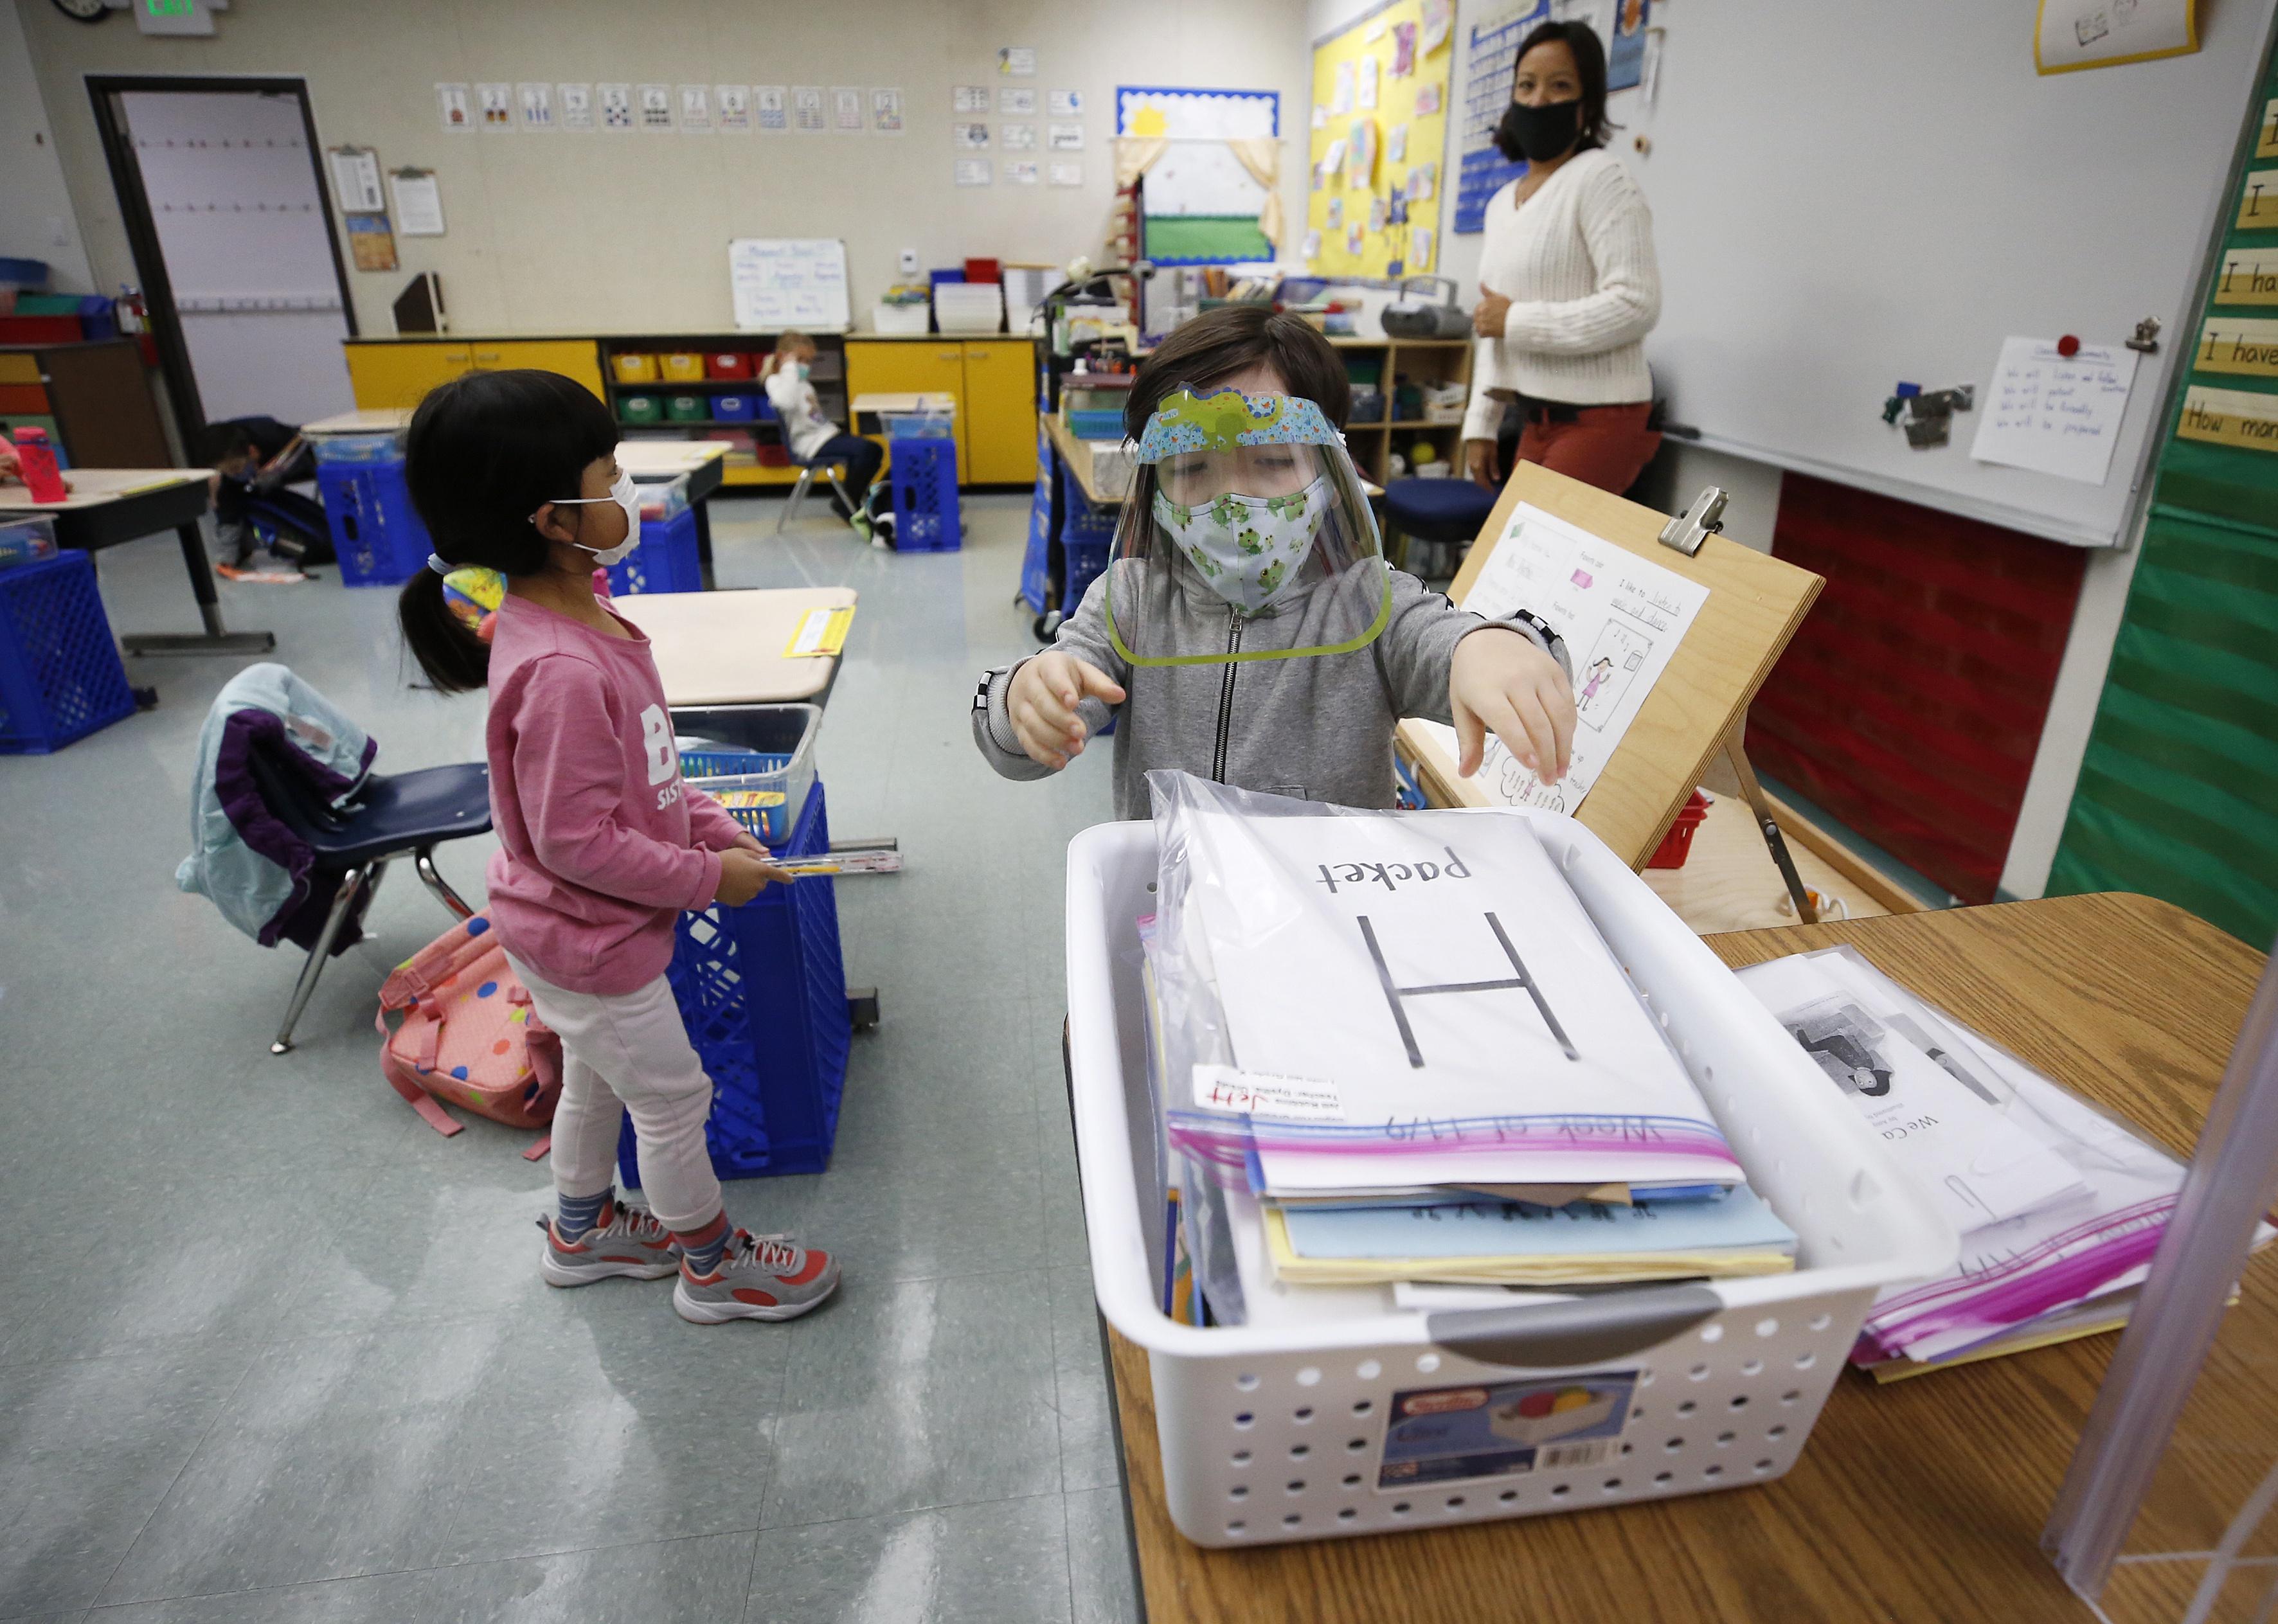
[600, 844]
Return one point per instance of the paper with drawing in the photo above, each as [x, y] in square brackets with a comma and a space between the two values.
[1622, 616]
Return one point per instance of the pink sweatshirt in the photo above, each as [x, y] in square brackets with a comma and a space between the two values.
[600, 844]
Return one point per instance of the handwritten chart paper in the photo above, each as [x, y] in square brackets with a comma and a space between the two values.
[2054, 414]
[1622, 616]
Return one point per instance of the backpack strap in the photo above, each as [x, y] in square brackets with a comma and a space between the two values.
[430, 1111]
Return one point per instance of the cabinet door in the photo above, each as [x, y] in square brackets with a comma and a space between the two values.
[578, 359]
[1000, 400]
[934, 367]
[385, 375]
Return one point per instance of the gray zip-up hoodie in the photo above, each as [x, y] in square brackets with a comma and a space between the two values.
[1318, 727]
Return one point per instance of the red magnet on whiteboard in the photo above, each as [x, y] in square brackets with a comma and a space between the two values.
[2067, 346]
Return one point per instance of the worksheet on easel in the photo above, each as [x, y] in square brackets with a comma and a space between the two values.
[1622, 616]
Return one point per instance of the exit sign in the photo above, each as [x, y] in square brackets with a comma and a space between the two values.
[173, 16]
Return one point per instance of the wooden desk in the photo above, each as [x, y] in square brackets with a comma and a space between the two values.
[1917, 1503]
[371, 420]
[705, 462]
[727, 648]
[108, 506]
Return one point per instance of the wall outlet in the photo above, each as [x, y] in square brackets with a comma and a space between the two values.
[909, 261]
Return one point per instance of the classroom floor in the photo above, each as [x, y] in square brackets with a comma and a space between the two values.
[270, 1348]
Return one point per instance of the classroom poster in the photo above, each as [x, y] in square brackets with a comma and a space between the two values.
[536, 105]
[1625, 49]
[1383, 83]
[576, 107]
[733, 103]
[771, 109]
[886, 110]
[846, 116]
[655, 104]
[495, 107]
[807, 116]
[452, 102]
[696, 110]
[617, 107]
[371, 244]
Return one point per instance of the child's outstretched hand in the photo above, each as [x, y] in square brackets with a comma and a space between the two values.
[744, 876]
[1506, 685]
[1042, 702]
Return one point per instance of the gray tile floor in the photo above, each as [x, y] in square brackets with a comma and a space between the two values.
[270, 1348]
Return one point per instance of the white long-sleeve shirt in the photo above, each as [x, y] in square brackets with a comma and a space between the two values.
[1577, 263]
[798, 410]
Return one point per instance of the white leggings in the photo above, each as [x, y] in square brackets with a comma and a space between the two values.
[629, 1052]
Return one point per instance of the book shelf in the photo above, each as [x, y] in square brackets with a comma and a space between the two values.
[1409, 362]
[743, 465]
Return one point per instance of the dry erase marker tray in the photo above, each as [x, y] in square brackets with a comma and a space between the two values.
[1307, 1431]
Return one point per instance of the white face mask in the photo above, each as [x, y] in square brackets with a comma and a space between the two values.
[626, 495]
[1247, 548]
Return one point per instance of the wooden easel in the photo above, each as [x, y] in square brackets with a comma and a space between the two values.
[1698, 711]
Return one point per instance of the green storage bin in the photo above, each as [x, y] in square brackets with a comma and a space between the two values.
[1365, 372]
[688, 408]
[641, 409]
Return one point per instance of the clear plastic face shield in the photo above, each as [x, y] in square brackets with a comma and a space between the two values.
[1246, 511]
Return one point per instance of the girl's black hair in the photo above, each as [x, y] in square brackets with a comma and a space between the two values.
[1589, 64]
[484, 452]
[1233, 338]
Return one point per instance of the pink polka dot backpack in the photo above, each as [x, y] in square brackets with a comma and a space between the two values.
[459, 1030]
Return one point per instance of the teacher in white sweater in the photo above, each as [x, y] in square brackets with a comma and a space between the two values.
[1568, 285]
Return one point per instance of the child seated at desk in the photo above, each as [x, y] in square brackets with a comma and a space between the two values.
[1248, 626]
[811, 436]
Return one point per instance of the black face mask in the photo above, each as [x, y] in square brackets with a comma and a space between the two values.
[1538, 133]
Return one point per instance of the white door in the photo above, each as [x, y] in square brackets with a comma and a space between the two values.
[231, 188]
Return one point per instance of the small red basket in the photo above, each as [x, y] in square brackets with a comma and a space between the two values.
[727, 364]
[1676, 845]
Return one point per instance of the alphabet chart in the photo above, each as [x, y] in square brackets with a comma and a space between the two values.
[1622, 617]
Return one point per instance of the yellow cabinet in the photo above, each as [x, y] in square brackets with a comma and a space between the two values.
[909, 368]
[398, 372]
[999, 412]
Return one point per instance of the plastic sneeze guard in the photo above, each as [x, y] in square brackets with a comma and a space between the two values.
[1233, 1403]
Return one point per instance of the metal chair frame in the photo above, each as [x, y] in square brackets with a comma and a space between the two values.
[806, 472]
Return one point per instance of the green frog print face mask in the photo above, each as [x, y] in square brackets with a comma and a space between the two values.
[1246, 549]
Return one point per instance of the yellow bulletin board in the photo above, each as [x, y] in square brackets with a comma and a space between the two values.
[1391, 157]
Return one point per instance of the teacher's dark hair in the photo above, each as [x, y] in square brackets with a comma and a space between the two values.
[1589, 63]
[483, 453]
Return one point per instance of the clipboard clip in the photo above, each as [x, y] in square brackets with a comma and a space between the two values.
[1705, 518]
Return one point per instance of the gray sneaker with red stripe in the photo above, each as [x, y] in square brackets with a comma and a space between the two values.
[759, 1278]
[625, 1241]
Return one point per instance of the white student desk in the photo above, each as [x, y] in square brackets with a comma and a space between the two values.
[727, 648]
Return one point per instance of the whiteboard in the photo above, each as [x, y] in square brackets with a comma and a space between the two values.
[1845, 197]
[779, 282]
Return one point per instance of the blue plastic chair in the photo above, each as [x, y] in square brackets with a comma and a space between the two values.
[396, 815]
[1449, 511]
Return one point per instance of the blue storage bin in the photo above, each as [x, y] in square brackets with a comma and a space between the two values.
[375, 533]
[1043, 526]
[666, 562]
[1096, 426]
[1087, 535]
[763, 991]
[926, 517]
[735, 407]
[60, 675]
[771, 749]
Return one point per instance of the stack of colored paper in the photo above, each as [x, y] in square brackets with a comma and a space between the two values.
[2060, 1206]
[1407, 1054]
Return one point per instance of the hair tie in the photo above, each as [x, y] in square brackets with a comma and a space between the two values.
[435, 562]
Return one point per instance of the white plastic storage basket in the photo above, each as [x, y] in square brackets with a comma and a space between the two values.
[1273, 1432]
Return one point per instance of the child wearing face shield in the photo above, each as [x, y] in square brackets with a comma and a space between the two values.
[600, 844]
[1247, 628]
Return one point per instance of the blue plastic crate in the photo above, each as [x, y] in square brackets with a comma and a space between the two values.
[763, 990]
[665, 561]
[375, 531]
[1087, 536]
[735, 407]
[925, 518]
[1035, 563]
[60, 677]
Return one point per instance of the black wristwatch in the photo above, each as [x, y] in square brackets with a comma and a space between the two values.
[1551, 640]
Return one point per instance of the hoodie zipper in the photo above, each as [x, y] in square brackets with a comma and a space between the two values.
[1226, 695]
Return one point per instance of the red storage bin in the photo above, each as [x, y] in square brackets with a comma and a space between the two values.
[41, 330]
[982, 271]
[1676, 845]
[727, 364]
